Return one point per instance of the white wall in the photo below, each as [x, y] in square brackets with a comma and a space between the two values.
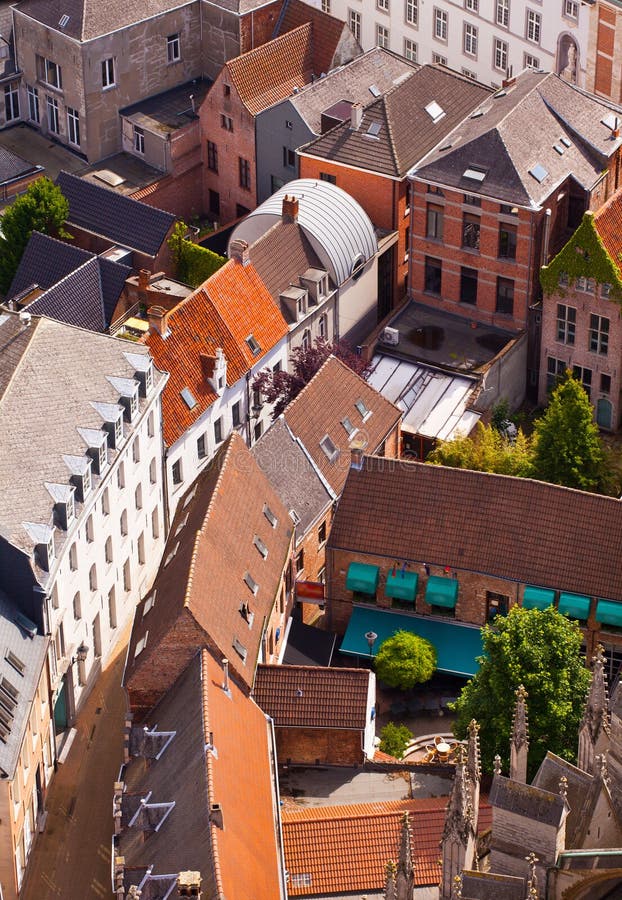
[370, 728]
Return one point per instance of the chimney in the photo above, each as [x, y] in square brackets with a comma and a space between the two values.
[225, 675]
[290, 209]
[356, 116]
[615, 131]
[144, 277]
[238, 251]
[189, 884]
[215, 816]
[356, 458]
[158, 319]
[509, 79]
[25, 318]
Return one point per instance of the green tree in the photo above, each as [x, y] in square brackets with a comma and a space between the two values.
[487, 451]
[42, 208]
[394, 739]
[567, 446]
[404, 660]
[540, 649]
[193, 264]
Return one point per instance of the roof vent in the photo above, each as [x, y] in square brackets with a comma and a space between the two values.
[435, 111]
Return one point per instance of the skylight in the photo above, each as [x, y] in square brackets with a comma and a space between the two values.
[140, 646]
[539, 173]
[349, 427]
[63, 21]
[240, 649]
[253, 346]
[14, 660]
[559, 149]
[294, 517]
[362, 408]
[374, 130]
[250, 583]
[257, 541]
[474, 174]
[375, 90]
[565, 141]
[270, 515]
[329, 448]
[188, 398]
[435, 111]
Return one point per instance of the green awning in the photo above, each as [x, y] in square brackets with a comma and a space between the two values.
[441, 591]
[457, 644]
[575, 605]
[537, 597]
[362, 578]
[608, 612]
[402, 585]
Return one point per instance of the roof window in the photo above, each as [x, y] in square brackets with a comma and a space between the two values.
[253, 345]
[188, 397]
[270, 515]
[475, 173]
[374, 90]
[539, 173]
[349, 427]
[259, 544]
[250, 583]
[374, 130]
[330, 449]
[14, 660]
[363, 409]
[294, 517]
[142, 643]
[240, 649]
[149, 603]
[435, 111]
[171, 554]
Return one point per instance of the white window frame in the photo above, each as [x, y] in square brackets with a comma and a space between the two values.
[500, 54]
[51, 67]
[411, 50]
[530, 61]
[441, 24]
[571, 9]
[139, 140]
[34, 110]
[173, 48]
[355, 23]
[53, 115]
[73, 126]
[11, 99]
[470, 39]
[502, 13]
[382, 36]
[411, 12]
[533, 26]
[108, 73]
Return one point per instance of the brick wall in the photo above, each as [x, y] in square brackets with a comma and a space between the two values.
[334, 747]
[176, 193]
[257, 27]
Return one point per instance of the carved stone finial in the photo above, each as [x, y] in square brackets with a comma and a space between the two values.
[532, 860]
[497, 764]
[473, 760]
[405, 872]
[390, 891]
[457, 889]
[563, 788]
[520, 729]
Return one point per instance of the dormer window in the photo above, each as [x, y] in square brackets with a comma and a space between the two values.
[70, 509]
[349, 427]
[102, 458]
[49, 553]
[128, 394]
[118, 431]
[149, 377]
[143, 370]
[134, 405]
[64, 506]
[86, 480]
[112, 414]
[42, 537]
[80, 477]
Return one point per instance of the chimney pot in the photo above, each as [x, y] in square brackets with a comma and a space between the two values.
[290, 209]
[356, 116]
[215, 816]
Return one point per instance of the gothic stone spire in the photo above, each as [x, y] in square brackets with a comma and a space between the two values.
[405, 875]
[519, 741]
[596, 713]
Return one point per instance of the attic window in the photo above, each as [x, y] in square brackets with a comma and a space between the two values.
[15, 661]
[539, 173]
[374, 90]
[171, 554]
[559, 149]
[364, 411]
[63, 21]
[25, 624]
[294, 517]
[435, 111]
[182, 524]
[190, 497]
[270, 515]
[349, 427]
[247, 614]
[302, 879]
[149, 603]
[188, 398]
[475, 174]
[565, 141]
[329, 448]
[477, 114]
[257, 541]
[140, 646]
[9, 693]
[250, 583]
[240, 649]
[374, 130]
[253, 346]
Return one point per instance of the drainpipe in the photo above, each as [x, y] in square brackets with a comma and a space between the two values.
[248, 409]
[546, 237]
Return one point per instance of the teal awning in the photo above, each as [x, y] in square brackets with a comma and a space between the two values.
[441, 591]
[362, 578]
[537, 598]
[575, 605]
[402, 585]
[608, 612]
[457, 645]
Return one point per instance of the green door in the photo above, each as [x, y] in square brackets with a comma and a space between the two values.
[603, 413]
[60, 710]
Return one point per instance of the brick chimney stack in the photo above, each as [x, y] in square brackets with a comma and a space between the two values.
[356, 116]
[158, 319]
[290, 209]
[238, 251]
[189, 884]
[144, 277]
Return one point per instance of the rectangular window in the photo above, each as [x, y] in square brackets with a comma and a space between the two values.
[470, 39]
[108, 79]
[201, 448]
[155, 523]
[433, 275]
[571, 9]
[534, 22]
[34, 113]
[566, 323]
[226, 122]
[605, 384]
[354, 23]
[500, 55]
[468, 285]
[530, 61]
[53, 120]
[11, 101]
[497, 605]
[321, 533]
[138, 497]
[173, 48]
[410, 50]
[584, 376]
[136, 450]
[245, 173]
[212, 156]
[108, 550]
[440, 24]
[326, 6]
[555, 371]
[49, 72]
[434, 222]
[599, 335]
[507, 241]
[470, 231]
[300, 561]
[214, 202]
[503, 13]
[176, 472]
[439, 60]
[73, 126]
[505, 296]
[383, 5]
[471, 200]
[289, 158]
[139, 140]
[218, 436]
[326, 176]
[127, 577]
[140, 544]
[472, 5]
[411, 13]
[90, 531]
[235, 414]
[382, 37]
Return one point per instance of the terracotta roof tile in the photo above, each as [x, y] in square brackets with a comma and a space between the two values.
[320, 408]
[608, 224]
[310, 696]
[514, 528]
[223, 312]
[327, 32]
[336, 849]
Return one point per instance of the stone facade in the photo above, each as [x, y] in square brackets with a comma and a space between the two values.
[604, 57]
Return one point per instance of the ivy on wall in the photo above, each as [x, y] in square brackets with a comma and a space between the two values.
[584, 256]
[193, 264]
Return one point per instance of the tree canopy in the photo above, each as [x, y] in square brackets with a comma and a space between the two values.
[404, 660]
[281, 387]
[567, 445]
[42, 208]
[193, 264]
[540, 649]
[394, 739]
[487, 451]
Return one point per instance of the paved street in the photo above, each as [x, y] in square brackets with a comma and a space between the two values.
[71, 859]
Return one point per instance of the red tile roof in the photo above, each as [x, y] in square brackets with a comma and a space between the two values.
[327, 33]
[608, 224]
[223, 312]
[313, 697]
[271, 72]
[341, 849]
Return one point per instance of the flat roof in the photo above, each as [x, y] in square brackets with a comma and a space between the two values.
[170, 110]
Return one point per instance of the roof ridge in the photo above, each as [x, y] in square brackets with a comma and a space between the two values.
[122, 197]
[209, 766]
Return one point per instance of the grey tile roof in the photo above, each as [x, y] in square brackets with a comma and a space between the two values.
[281, 255]
[488, 886]
[120, 219]
[405, 131]
[75, 299]
[519, 129]
[352, 82]
[552, 768]
[91, 18]
[31, 651]
[295, 479]
[54, 375]
[44, 262]
[524, 800]
[13, 166]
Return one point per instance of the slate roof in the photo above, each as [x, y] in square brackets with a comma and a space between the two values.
[171, 110]
[90, 18]
[237, 776]
[520, 128]
[313, 697]
[281, 255]
[579, 784]
[405, 131]
[524, 800]
[292, 475]
[13, 166]
[328, 33]
[489, 886]
[340, 849]
[514, 528]
[232, 304]
[319, 409]
[212, 542]
[377, 68]
[58, 371]
[120, 219]
[31, 650]
[44, 262]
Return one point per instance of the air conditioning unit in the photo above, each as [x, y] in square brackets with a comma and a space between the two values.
[390, 336]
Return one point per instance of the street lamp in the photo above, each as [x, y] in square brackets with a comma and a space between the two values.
[371, 637]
